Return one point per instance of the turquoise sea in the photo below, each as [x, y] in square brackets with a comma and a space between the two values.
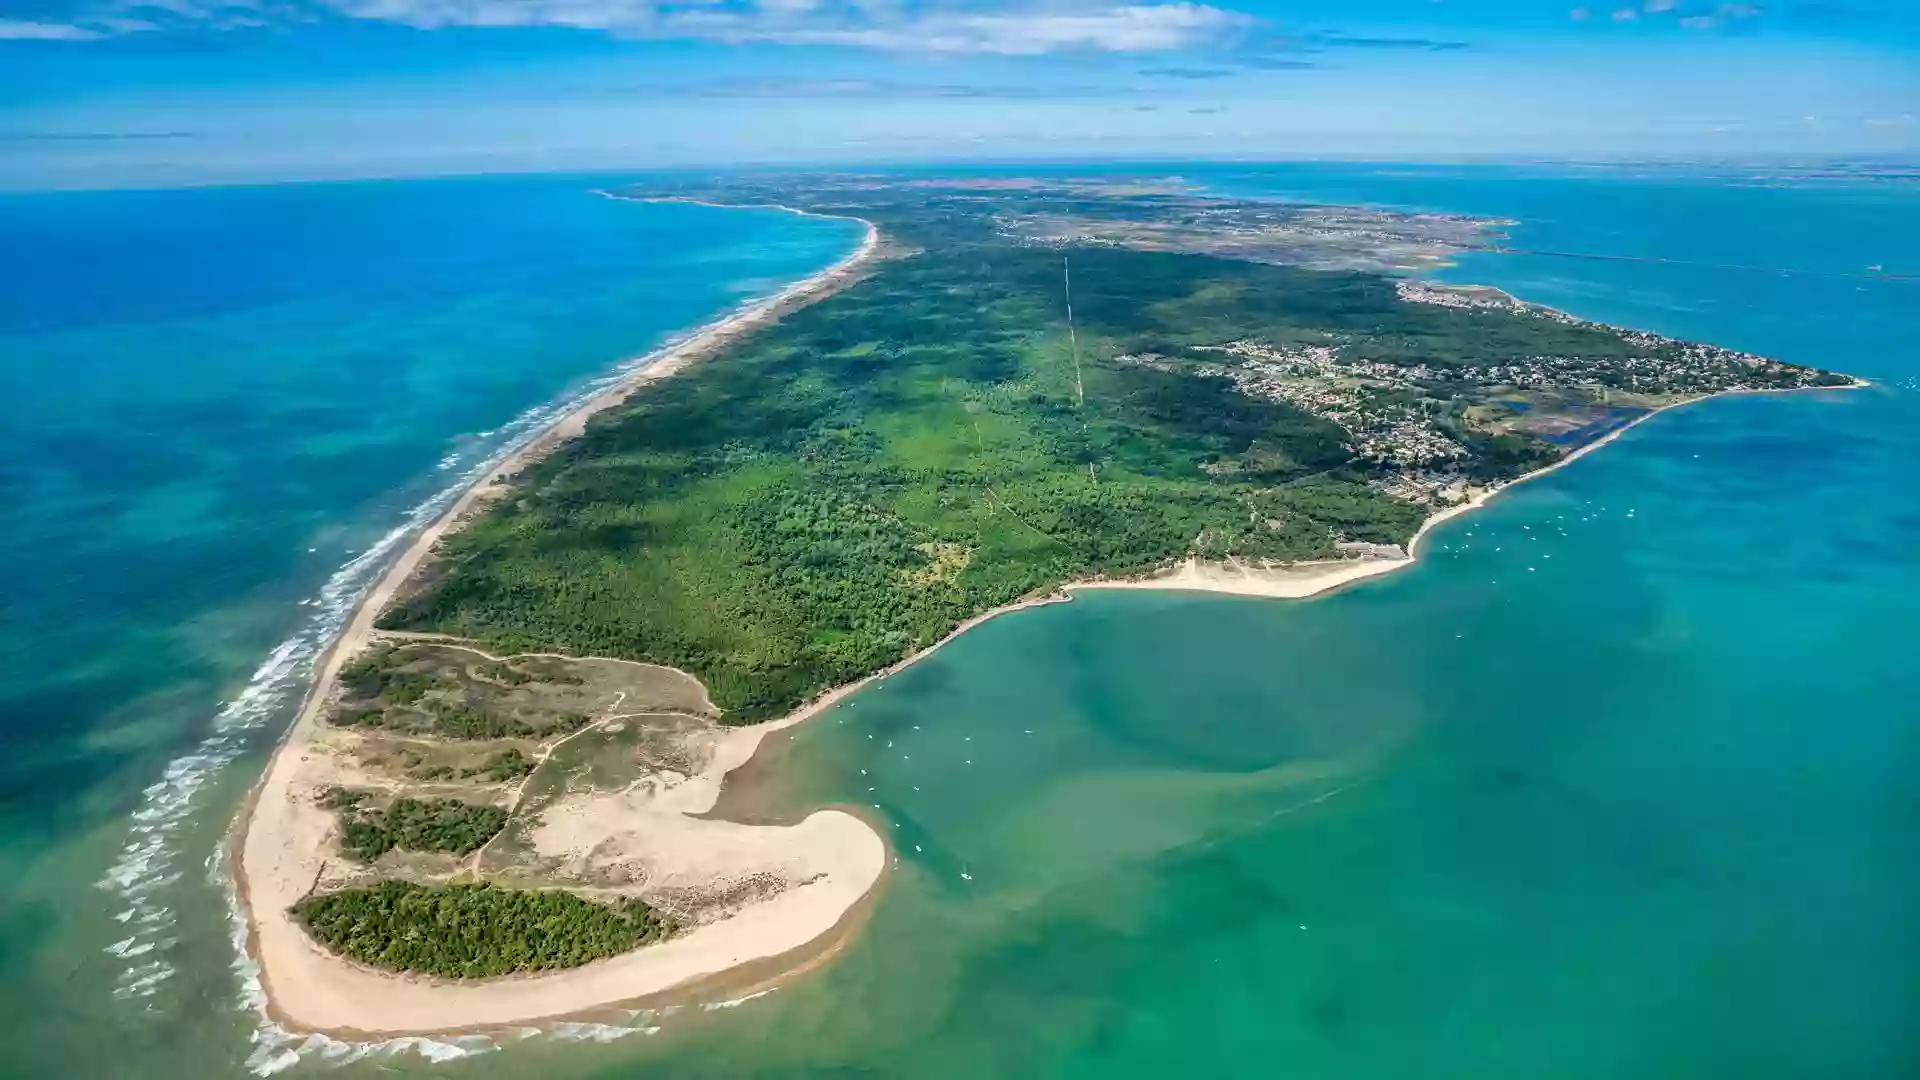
[219, 410]
[1620, 780]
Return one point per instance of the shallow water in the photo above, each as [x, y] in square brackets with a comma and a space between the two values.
[221, 409]
[1619, 780]
[1612, 783]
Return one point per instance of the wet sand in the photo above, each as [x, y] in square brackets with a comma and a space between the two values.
[283, 837]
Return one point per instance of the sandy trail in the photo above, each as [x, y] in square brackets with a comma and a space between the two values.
[282, 845]
[826, 863]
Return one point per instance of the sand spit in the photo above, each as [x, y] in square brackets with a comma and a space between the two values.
[1301, 580]
[828, 861]
[822, 867]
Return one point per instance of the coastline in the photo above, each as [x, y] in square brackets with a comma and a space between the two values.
[1304, 580]
[327, 993]
[276, 853]
[1300, 582]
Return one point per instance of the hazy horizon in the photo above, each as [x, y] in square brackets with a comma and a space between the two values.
[139, 93]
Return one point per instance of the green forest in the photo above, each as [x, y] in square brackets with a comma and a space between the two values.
[845, 487]
[447, 826]
[475, 931]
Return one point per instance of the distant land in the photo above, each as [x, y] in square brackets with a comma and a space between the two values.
[492, 809]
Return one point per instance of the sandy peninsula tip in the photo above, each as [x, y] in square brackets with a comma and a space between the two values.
[823, 865]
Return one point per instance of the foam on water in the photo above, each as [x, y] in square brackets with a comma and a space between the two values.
[277, 1051]
[577, 1031]
[147, 861]
[735, 1003]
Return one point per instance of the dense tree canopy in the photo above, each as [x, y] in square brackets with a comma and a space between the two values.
[475, 931]
[847, 486]
[448, 826]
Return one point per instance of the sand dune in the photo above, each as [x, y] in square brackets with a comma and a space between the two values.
[829, 861]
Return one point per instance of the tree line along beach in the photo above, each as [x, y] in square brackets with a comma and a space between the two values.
[978, 407]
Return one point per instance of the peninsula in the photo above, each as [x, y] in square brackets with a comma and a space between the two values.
[492, 809]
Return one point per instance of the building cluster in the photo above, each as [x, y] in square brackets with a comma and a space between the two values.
[1071, 240]
[1358, 395]
[1439, 488]
[1657, 365]
[1419, 292]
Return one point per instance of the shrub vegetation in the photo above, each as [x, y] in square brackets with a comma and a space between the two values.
[850, 484]
[448, 826]
[475, 931]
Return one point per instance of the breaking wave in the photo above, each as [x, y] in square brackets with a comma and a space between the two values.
[148, 862]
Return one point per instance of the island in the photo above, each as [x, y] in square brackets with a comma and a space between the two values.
[496, 805]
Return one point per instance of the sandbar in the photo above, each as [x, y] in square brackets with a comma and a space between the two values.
[834, 858]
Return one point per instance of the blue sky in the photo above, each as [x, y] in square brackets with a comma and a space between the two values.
[112, 92]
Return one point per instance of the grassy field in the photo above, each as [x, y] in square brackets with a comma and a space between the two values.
[410, 697]
[424, 803]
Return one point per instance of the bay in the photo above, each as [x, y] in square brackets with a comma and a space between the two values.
[1618, 780]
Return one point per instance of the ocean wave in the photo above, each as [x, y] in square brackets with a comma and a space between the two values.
[734, 1003]
[147, 864]
[276, 1051]
[581, 1031]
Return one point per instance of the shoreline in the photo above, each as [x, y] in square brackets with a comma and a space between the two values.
[1302, 582]
[273, 858]
[1305, 580]
[332, 989]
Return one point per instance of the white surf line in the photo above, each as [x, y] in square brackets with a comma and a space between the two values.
[147, 863]
[274, 1049]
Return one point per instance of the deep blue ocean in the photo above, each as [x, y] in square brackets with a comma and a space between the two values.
[1623, 778]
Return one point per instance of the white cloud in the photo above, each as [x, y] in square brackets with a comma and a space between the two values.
[1006, 27]
[1129, 28]
[18, 30]
[1010, 30]
[431, 14]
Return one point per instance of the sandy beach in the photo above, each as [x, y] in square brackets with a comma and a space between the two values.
[282, 837]
[832, 859]
[1302, 580]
